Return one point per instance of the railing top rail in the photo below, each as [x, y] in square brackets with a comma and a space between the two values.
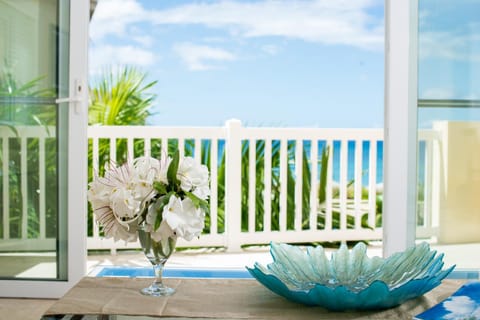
[312, 133]
[27, 132]
[156, 132]
[272, 133]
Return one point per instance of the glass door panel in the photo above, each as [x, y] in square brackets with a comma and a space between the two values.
[34, 72]
[448, 174]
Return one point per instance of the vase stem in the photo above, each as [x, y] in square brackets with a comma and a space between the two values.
[158, 271]
[157, 288]
[157, 253]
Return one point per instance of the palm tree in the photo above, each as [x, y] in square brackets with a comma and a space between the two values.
[120, 98]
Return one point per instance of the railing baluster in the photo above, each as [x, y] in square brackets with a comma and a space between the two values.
[198, 150]
[298, 184]
[147, 147]
[283, 184]
[267, 197]
[252, 175]
[181, 147]
[113, 151]
[213, 185]
[435, 173]
[314, 184]
[343, 183]
[42, 187]
[358, 184]
[164, 148]
[427, 185]
[6, 188]
[95, 167]
[328, 193]
[372, 183]
[130, 150]
[24, 186]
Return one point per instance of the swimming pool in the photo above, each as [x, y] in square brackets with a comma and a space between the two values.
[132, 272]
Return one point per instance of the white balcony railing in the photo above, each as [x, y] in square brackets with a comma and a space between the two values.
[264, 172]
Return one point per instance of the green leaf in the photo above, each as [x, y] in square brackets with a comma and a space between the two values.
[160, 187]
[198, 203]
[173, 169]
[322, 190]
[162, 202]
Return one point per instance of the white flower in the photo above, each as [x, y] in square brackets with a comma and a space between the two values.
[118, 197]
[193, 177]
[183, 218]
[162, 173]
[164, 231]
[130, 194]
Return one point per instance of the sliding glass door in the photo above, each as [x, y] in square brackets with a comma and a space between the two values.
[448, 175]
[432, 129]
[42, 115]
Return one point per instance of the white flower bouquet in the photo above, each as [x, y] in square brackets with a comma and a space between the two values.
[167, 197]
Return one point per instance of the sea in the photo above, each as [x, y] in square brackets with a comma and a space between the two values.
[351, 160]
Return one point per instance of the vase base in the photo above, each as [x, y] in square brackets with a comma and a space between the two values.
[157, 291]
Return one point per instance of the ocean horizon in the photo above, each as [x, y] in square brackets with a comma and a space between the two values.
[336, 159]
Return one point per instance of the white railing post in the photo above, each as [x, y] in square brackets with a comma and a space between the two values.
[233, 185]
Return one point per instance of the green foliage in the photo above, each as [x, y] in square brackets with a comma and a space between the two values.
[120, 98]
[16, 109]
[173, 169]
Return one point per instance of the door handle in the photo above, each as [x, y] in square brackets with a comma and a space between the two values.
[68, 99]
[77, 97]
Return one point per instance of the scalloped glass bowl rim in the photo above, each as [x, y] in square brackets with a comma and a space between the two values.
[314, 292]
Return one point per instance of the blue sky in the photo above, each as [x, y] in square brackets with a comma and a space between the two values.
[267, 63]
[292, 63]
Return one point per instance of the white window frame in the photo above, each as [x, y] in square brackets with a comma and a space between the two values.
[400, 128]
[77, 167]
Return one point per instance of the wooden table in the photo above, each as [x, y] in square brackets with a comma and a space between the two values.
[216, 299]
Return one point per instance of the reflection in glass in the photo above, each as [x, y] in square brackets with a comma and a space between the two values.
[30, 38]
[449, 114]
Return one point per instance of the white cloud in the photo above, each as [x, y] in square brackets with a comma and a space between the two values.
[109, 55]
[270, 49]
[114, 16]
[437, 93]
[454, 45]
[144, 40]
[344, 22]
[201, 57]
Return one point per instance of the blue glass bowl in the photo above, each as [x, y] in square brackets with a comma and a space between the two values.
[350, 280]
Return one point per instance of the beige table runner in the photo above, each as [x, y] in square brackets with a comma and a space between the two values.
[216, 298]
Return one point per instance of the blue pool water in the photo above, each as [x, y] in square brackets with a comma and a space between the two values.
[132, 272]
[173, 273]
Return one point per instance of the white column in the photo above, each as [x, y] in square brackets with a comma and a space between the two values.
[400, 125]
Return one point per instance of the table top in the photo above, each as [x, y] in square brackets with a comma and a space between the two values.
[214, 299]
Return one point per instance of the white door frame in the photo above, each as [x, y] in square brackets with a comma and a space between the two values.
[77, 167]
[400, 128]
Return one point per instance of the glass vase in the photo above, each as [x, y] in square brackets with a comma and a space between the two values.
[157, 252]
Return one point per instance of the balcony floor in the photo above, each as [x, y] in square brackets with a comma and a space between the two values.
[464, 256]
